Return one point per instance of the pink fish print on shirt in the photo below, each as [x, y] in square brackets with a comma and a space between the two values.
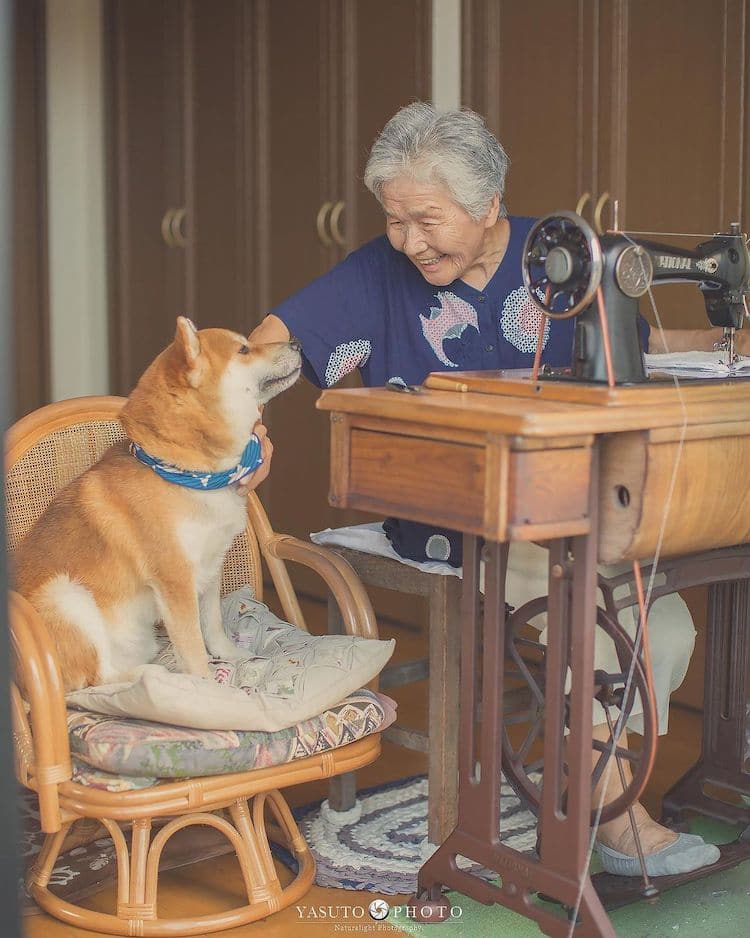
[447, 321]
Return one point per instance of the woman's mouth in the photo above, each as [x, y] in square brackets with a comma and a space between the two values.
[428, 263]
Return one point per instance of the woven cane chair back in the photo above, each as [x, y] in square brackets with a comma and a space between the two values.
[54, 445]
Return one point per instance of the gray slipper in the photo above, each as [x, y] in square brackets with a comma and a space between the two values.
[689, 852]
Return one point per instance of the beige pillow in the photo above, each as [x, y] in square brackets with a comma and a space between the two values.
[284, 676]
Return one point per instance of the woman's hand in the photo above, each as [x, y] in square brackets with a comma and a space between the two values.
[253, 480]
[271, 329]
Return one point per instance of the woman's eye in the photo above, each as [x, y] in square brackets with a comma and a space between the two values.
[244, 350]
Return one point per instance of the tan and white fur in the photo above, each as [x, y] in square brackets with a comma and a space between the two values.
[120, 549]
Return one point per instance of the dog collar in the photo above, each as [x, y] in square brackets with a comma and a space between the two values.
[249, 462]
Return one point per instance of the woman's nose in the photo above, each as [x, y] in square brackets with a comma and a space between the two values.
[414, 241]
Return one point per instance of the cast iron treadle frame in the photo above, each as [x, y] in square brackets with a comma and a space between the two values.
[561, 872]
[722, 760]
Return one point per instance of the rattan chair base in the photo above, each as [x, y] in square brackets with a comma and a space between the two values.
[138, 867]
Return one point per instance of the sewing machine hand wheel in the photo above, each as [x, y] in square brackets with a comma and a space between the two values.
[562, 264]
[523, 729]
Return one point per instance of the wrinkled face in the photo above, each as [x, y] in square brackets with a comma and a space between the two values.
[438, 236]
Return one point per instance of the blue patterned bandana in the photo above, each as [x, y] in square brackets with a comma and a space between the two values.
[249, 462]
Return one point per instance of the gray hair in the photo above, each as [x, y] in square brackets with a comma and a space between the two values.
[451, 147]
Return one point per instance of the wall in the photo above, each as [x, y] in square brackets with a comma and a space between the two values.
[446, 53]
[75, 160]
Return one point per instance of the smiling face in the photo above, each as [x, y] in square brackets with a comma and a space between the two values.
[438, 236]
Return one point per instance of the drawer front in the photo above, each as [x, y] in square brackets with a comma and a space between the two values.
[549, 492]
[435, 481]
[476, 485]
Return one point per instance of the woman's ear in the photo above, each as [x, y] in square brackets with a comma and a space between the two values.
[493, 213]
[187, 340]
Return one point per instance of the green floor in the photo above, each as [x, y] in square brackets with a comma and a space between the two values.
[717, 906]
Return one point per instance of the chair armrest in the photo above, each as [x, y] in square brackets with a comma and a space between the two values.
[43, 689]
[350, 595]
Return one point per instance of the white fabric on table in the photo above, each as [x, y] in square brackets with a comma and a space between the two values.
[372, 539]
[671, 627]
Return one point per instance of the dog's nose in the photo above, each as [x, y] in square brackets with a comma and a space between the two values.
[295, 344]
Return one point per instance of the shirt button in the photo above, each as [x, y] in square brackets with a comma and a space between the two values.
[489, 348]
[482, 299]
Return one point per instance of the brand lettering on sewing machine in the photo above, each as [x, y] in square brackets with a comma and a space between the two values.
[670, 262]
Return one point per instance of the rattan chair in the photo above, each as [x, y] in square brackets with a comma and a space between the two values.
[44, 452]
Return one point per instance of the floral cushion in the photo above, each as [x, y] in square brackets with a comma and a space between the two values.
[141, 748]
[281, 676]
[106, 781]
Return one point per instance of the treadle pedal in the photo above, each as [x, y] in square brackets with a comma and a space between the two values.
[616, 891]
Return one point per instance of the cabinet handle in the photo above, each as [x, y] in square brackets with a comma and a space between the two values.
[581, 203]
[338, 237]
[166, 228]
[601, 202]
[175, 226]
[320, 224]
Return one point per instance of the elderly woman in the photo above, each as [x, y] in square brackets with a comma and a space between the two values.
[443, 290]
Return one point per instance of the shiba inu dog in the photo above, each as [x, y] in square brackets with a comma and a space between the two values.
[141, 536]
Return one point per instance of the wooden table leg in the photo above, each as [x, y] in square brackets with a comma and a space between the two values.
[444, 652]
[722, 760]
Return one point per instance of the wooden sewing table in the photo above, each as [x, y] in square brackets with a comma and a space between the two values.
[588, 470]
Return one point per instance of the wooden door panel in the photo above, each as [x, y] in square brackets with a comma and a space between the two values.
[530, 70]
[221, 87]
[386, 65]
[143, 68]
[300, 173]
[680, 126]
[683, 116]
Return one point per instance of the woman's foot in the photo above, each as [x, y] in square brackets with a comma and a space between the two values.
[665, 852]
[683, 855]
[618, 834]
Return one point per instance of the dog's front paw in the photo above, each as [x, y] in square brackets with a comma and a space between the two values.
[198, 669]
[225, 649]
[136, 673]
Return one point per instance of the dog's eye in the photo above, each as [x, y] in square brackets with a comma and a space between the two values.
[244, 350]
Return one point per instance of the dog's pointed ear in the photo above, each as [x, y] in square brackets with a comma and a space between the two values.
[187, 339]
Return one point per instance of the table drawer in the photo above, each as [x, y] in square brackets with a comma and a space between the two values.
[474, 484]
[435, 481]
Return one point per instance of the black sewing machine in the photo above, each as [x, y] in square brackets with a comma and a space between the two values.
[569, 270]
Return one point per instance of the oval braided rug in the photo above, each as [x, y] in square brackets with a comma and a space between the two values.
[380, 844]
